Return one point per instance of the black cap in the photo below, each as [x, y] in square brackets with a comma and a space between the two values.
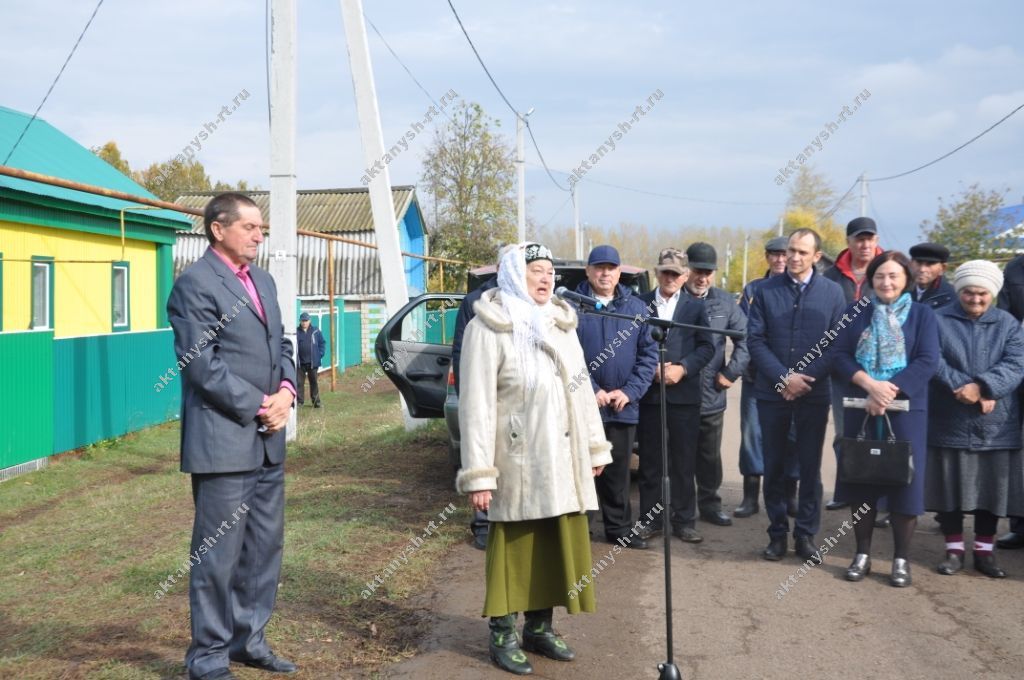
[861, 225]
[702, 256]
[929, 252]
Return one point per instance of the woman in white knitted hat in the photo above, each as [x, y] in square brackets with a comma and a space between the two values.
[974, 432]
[531, 447]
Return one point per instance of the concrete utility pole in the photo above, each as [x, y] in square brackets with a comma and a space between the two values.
[863, 194]
[746, 248]
[521, 172]
[780, 225]
[283, 240]
[396, 292]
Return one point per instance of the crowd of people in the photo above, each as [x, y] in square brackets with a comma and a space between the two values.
[880, 340]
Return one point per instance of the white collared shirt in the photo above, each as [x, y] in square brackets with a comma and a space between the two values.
[666, 306]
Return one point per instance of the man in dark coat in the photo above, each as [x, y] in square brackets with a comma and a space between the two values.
[311, 355]
[1011, 298]
[687, 352]
[717, 377]
[621, 357]
[928, 265]
[792, 321]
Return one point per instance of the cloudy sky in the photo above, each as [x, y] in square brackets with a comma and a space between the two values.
[746, 87]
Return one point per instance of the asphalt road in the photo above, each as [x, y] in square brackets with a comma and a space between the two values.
[729, 620]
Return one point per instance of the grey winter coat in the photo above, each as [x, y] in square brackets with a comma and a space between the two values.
[990, 352]
[722, 313]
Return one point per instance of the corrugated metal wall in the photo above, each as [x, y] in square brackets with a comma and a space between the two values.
[26, 393]
[356, 271]
[106, 386]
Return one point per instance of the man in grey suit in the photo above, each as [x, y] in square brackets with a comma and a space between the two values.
[237, 390]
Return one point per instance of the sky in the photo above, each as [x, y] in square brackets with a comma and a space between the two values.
[745, 87]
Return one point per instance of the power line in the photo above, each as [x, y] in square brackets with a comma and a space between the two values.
[969, 141]
[557, 212]
[54, 83]
[541, 156]
[402, 64]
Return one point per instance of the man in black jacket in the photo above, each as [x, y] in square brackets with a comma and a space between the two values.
[718, 376]
[311, 354]
[928, 265]
[687, 352]
[1011, 298]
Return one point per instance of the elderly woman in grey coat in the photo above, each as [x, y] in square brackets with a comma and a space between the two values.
[974, 431]
[531, 447]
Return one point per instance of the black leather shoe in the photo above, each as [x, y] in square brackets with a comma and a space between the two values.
[631, 541]
[884, 522]
[1011, 541]
[718, 518]
[687, 535]
[219, 674]
[804, 547]
[836, 505]
[986, 564]
[480, 540]
[649, 532]
[270, 663]
[776, 549]
[953, 563]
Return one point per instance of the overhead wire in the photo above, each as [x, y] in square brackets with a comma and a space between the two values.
[54, 83]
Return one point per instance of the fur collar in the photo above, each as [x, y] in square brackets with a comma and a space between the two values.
[488, 308]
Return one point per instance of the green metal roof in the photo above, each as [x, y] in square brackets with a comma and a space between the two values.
[48, 151]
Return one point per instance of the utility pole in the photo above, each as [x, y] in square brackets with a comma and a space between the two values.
[578, 242]
[746, 248]
[863, 194]
[521, 172]
[283, 239]
[780, 225]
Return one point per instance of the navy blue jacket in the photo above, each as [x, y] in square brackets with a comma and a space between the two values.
[722, 313]
[464, 316]
[311, 346]
[939, 294]
[747, 297]
[920, 332]
[691, 349]
[990, 352]
[620, 354]
[787, 330]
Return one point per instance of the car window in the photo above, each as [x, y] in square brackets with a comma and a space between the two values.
[431, 322]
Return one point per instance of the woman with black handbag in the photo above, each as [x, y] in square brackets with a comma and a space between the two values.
[889, 351]
[974, 432]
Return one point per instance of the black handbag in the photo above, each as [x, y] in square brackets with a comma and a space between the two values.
[876, 462]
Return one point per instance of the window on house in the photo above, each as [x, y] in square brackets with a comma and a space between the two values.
[42, 315]
[119, 298]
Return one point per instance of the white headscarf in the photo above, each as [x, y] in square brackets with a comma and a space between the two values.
[530, 321]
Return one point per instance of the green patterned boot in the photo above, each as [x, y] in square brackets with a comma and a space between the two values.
[538, 636]
[504, 646]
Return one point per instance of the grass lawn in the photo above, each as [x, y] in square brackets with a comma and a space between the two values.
[87, 542]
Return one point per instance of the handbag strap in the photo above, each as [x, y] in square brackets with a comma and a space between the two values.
[862, 435]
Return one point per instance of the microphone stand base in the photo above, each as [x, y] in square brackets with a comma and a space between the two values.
[669, 672]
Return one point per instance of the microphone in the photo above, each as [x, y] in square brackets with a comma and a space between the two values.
[564, 293]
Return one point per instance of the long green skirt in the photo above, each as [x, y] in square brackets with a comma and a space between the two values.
[537, 563]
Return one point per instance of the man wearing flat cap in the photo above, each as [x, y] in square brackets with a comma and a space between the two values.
[311, 354]
[621, 358]
[928, 265]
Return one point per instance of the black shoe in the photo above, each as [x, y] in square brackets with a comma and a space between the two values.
[299, 402]
[219, 674]
[986, 564]
[270, 663]
[718, 518]
[1011, 541]
[953, 563]
[836, 505]
[635, 543]
[776, 549]
[540, 637]
[480, 540]
[649, 532]
[316, 404]
[804, 547]
[504, 646]
[884, 522]
[687, 534]
[751, 490]
[792, 501]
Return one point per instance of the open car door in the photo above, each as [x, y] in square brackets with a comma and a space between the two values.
[414, 348]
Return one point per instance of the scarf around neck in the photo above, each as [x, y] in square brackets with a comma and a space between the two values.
[882, 347]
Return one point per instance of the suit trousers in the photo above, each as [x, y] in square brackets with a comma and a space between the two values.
[709, 462]
[809, 420]
[238, 536]
[613, 484]
[307, 371]
[683, 428]
[751, 450]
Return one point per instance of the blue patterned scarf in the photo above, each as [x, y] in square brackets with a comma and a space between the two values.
[882, 348]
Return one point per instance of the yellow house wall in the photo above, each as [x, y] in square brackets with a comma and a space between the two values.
[82, 292]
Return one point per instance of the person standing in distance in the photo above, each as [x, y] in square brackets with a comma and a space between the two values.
[311, 354]
[236, 396]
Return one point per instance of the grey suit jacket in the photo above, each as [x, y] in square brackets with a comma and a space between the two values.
[228, 359]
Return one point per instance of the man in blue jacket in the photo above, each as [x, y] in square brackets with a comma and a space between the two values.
[621, 358]
[311, 354]
[793, 319]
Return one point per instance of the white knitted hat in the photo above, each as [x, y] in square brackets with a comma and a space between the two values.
[980, 273]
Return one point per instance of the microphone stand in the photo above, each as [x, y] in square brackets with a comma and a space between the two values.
[659, 332]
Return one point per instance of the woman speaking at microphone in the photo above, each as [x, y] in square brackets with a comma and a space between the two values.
[531, 446]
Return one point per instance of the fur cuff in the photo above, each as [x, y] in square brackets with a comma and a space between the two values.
[477, 479]
[601, 454]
